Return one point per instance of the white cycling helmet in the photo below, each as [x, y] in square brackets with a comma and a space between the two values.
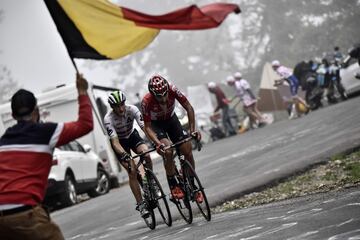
[230, 80]
[237, 75]
[275, 63]
[211, 85]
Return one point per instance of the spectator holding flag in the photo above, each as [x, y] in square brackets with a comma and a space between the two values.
[25, 161]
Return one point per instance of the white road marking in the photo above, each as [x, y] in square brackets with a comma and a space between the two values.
[257, 148]
[104, 236]
[343, 236]
[211, 237]
[245, 231]
[328, 201]
[299, 214]
[344, 223]
[353, 204]
[272, 171]
[274, 218]
[271, 231]
[133, 223]
[183, 230]
[302, 236]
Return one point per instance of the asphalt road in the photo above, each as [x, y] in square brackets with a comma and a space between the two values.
[232, 167]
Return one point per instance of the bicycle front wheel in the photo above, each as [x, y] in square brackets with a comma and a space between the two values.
[159, 196]
[150, 221]
[197, 189]
[183, 205]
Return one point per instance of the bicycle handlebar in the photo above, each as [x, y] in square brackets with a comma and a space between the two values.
[199, 146]
[143, 153]
[174, 145]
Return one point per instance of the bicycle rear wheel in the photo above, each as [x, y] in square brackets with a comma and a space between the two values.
[197, 188]
[183, 205]
[158, 196]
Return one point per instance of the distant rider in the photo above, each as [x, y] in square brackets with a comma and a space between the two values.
[287, 75]
[247, 97]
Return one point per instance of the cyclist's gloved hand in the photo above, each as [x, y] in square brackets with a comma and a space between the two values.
[196, 135]
[160, 149]
[124, 156]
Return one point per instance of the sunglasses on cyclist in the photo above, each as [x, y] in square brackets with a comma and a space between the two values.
[117, 105]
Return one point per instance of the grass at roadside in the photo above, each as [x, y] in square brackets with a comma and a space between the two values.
[341, 171]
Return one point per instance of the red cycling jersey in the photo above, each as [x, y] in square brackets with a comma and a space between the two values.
[152, 110]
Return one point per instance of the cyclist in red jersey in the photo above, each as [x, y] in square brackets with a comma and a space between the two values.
[163, 127]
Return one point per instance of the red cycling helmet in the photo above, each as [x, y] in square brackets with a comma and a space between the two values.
[158, 86]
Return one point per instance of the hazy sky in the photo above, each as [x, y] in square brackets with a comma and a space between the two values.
[32, 49]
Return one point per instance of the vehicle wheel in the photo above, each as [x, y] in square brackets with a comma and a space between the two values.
[69, 197]
[103, 184]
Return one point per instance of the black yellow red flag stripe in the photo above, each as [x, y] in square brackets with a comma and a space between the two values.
[99, 29]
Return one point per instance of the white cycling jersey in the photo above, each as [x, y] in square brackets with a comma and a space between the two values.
[241, 87]
[123, 126]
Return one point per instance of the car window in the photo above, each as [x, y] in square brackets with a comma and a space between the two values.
[65, 147]
[75, 146]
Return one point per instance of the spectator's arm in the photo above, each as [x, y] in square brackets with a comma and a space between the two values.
[251, 93]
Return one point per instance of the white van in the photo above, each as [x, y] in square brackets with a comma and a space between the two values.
[60, 105]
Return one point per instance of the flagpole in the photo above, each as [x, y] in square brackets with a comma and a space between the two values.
[74, 64]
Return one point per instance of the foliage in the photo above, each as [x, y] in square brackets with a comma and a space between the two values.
[7, 84]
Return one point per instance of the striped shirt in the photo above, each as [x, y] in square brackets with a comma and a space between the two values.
[26, 154]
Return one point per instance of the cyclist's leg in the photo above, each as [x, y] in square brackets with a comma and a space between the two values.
[138, 146]
[133, 181]
[127, 144]
[142, 148]
[160, 128]
[252, 114]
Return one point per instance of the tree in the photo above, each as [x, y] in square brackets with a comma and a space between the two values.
[7, 84]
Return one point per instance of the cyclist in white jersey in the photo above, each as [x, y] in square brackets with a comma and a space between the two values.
[119, 124]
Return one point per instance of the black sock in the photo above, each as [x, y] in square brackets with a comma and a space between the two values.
[172, 181]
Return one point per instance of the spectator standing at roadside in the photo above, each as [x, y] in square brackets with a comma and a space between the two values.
[223, 104]
[338, 56]
[25, 161]
[248, 99]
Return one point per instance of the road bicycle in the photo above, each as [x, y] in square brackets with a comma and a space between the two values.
[189, 182]
[153, 194]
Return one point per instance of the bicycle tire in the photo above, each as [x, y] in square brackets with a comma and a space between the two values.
[149, 221]
[183, 205]
[161, 202]
[204, 205]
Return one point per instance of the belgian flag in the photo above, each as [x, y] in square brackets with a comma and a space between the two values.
[98, 29]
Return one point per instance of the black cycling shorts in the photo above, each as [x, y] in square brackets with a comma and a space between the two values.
[170, 128]
[132, 142]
